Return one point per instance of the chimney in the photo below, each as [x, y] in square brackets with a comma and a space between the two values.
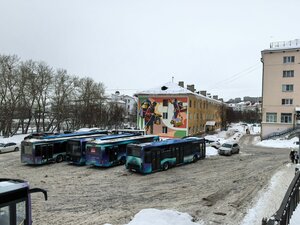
[203, 93]
[181, 84]
[215, 97]
[208, 95]
[191, 87]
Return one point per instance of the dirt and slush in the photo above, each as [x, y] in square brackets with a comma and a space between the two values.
[216, 190]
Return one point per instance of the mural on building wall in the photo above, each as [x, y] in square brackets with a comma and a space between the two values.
[166, 117]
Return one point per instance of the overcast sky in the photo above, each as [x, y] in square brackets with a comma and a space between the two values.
[133, 45]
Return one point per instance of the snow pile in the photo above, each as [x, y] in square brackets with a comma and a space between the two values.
[279, 143]
[162, 217]
[269, 199]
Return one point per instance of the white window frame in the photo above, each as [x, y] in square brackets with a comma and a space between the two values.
[287, 88]
[271, 117]
[288, 73]
[288, 59]
[287, 101]
[286, 117]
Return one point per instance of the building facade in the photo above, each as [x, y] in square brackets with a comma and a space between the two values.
[174, 111]
[280, 87]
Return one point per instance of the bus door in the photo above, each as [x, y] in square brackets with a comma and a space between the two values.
[113, 153]
[179, 154]
[156, 157]
[47, 152]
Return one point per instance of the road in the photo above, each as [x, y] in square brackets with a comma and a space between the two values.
[217, 190]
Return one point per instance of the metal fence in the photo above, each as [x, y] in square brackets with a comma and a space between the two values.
[288, 205]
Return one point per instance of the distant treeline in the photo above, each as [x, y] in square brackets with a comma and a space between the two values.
[33, 94]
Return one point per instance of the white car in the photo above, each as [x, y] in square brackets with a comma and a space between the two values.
[229, 148]
[8, 147]
[212, 143]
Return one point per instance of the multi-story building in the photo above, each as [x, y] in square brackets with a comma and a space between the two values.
[128, 103]
[174, 111]
[280, 87]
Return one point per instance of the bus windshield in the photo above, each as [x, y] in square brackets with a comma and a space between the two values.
[134, 151]
[74, 147]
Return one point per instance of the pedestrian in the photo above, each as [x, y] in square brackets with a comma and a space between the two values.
[296, 157]
[292, 156]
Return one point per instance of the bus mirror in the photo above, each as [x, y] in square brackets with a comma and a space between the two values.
[34, 190]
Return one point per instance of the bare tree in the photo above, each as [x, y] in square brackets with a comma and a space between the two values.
[43, 81]
[9, 93]
[64, 87]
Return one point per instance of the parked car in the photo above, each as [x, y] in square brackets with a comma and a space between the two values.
[8, 147]
[229, 148]
[212, 143]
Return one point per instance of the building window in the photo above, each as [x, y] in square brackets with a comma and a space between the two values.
[165, 130]
[165, 115]
[286, 117]
[288, 73]
[288, 59]
[287, 101]
[287, 87]
[271, 117]
[165, 102]
[190, 103]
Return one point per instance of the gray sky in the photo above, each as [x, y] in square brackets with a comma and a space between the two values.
[133, 45]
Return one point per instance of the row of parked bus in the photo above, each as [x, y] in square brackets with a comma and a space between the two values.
[140, 153]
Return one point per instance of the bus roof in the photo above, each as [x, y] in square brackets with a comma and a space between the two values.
[89, 135]
[122, 139]
[76, 134]
[104, 137]
[8, 185]
[171, 141]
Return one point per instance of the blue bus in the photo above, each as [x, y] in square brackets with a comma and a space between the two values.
[106, 153]
[75, 152]
[15, 202]
[45, 150]
[151, 157]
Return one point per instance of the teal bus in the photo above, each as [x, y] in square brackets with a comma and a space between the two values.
[106, 153]
[151, 157]
[76, 148]
[53, 149]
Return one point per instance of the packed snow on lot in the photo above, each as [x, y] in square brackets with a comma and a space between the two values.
[264, 204]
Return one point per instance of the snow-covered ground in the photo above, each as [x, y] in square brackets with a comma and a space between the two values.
[264, 204]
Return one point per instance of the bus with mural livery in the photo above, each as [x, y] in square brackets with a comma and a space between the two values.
[76, 148]
[106, 153]
[53, 149]
[156, 156]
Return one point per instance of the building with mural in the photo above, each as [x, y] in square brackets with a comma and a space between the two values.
[174, 111]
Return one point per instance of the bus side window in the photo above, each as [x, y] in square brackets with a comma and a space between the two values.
[38, 150]
[148, 157]
[166, 153]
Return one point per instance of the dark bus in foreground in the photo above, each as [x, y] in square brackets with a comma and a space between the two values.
[15, 202]
[76, 148]
[151, 157]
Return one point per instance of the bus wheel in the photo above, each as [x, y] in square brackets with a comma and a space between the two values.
[59, 158]
[123, 160]
[166, 166]
[195, 158]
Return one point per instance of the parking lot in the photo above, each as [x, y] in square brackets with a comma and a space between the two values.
[217, 190]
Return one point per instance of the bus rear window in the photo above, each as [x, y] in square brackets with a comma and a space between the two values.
[92, 150]
[134, 151]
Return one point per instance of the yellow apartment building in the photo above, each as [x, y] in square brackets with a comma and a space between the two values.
[280, 87]
[174, 111]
